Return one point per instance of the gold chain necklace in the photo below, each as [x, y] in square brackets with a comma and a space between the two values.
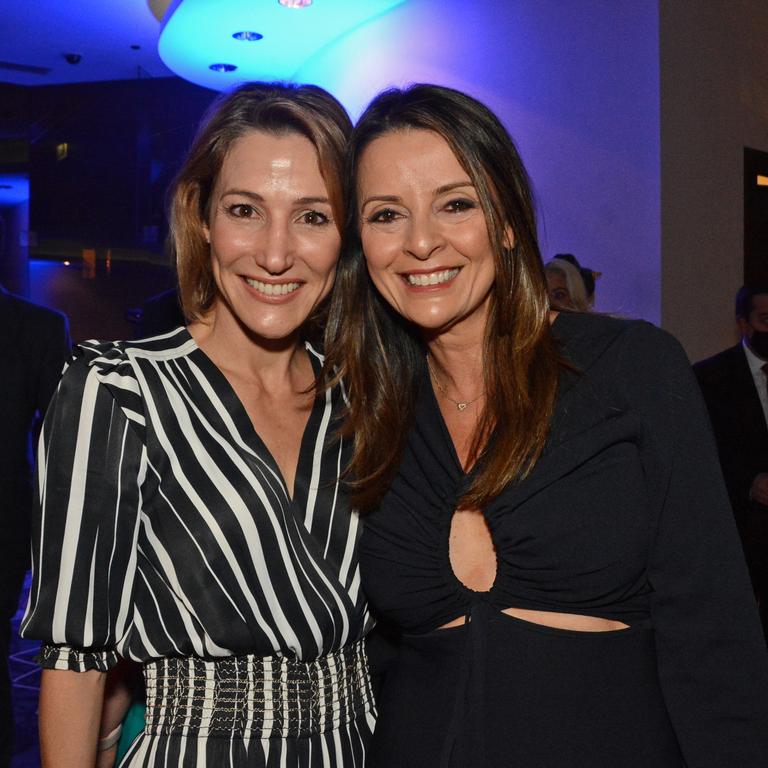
[461, 405]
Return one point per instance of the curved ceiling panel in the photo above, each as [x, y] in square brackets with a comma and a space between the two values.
[275, 40]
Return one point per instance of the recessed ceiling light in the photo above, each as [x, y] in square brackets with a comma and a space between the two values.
[247, 36]
[295, 3]
[222, 67]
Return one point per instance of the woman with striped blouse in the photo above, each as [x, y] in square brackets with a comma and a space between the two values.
[191, 516]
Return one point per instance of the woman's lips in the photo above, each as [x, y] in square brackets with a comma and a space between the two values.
[432, 279]
[273, 291]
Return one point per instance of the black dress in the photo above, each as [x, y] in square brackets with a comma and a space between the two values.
[624, 517]
[165, 533]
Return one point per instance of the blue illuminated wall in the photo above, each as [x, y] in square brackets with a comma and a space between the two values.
[576, 83]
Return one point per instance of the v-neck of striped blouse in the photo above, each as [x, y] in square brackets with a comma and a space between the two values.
[251, 437]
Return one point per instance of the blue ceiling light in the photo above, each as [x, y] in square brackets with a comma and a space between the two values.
[222, 67]
[295, 3]
[194, 35]
[250, 36]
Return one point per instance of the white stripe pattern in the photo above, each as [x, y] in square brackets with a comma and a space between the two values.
[165, 530]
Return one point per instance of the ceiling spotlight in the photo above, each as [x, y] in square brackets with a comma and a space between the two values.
[247, 36]
[295, 3]
[222, 67]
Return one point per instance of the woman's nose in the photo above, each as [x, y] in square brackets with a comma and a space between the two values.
[424, 237]
[275, 251]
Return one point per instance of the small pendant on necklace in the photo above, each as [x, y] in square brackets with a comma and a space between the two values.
[461, 406]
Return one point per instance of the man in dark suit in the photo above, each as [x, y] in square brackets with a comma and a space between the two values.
[34, 345]
[735, 388]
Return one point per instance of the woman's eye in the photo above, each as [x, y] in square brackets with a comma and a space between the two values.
[385, 216]
[459, 206]
[314, 218]
[241, 210]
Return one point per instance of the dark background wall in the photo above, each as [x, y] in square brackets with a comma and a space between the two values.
[714, 103]
[99, 157]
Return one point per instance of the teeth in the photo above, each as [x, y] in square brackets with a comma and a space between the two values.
[434, 278]
[272, 289]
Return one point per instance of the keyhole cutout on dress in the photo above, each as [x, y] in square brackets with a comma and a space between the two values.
[471, 550]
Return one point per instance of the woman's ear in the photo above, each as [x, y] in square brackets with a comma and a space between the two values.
[206, 233]
[509, 238]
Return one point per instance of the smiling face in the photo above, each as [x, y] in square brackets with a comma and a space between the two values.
[274, 244]
[424, 233]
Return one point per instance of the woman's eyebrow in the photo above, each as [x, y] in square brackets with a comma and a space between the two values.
[244, 193]
[310, 200]
[380, 199]
[441, 190]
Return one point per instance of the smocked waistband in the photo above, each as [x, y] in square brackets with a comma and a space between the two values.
[257, 697]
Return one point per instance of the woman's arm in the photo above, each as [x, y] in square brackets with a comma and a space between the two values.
[711, 657]
[70, 713]
[118, 694]
[85, 529]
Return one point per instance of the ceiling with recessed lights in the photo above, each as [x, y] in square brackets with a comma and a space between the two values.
[245, 40]
[214, 43]
[115, 40]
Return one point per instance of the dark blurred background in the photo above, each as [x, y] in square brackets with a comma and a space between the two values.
[99, 157]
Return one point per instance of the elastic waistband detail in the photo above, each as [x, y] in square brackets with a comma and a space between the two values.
[257, 697]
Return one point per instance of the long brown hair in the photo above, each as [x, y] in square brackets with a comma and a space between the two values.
[272, 107]
[380, 356]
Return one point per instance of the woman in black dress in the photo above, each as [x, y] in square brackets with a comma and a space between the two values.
[191, 516]
[548, 529]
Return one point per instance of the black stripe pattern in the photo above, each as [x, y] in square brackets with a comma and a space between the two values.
[165, 529]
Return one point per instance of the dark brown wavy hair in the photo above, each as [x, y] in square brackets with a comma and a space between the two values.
[381, 357]
[276, 108]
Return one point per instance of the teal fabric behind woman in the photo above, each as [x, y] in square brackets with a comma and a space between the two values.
[133, 725]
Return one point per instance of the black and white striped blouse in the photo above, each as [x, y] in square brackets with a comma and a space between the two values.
[166, 529]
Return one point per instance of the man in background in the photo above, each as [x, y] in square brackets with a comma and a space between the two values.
[735, 387]
[34, 345]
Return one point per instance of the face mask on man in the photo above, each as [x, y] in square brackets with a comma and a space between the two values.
[758, 342]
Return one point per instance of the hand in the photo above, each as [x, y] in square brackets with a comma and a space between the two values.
[759, 490]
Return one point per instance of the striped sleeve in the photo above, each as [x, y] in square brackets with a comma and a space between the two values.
[91, 461]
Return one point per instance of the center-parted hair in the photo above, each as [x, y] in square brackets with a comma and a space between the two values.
[277, 108]
[380, 356]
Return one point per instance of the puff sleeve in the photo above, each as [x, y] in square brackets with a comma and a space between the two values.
[91, 460]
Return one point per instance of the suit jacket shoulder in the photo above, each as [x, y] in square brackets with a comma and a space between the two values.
[737, 420]
[34, 346]
[723, 367]
[31, 314]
